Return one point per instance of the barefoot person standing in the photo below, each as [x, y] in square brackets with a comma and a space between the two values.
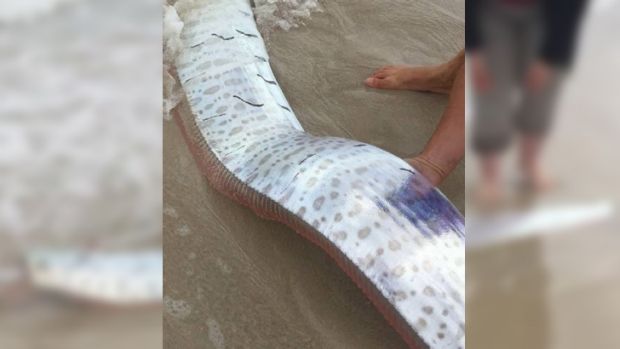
[519, 52]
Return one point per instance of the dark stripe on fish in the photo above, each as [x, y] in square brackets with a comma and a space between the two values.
[246, 34]
[261, 58]
[285, 108]
[306, 158]
[267, 81]
[213, 116]
[221, 37]
[234, 150]
[407, 170]
[188, 79]
[246, 102]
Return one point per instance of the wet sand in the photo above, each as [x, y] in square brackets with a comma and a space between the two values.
[45, 321]
[235, 280]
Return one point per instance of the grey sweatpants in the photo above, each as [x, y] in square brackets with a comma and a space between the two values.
[511, 40]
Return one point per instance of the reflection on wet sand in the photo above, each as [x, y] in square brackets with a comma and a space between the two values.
[507, 297]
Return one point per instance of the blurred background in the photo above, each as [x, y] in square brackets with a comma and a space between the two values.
[543, 268]
[80, 174]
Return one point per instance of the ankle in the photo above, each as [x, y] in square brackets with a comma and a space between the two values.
[440, 78]
[432, 171]
[450, 69]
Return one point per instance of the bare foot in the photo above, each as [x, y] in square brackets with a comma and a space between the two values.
[437, 78]
[538, 181]
[426, 79]
[489, 195]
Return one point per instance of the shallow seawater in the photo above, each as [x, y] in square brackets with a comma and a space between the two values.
[80, 158]
[80, 125]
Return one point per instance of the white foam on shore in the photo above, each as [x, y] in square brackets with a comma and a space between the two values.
[284, 15]
[172, 45]
[80, 125]
[25, 10]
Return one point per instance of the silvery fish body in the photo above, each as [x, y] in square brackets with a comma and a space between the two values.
[369, 205]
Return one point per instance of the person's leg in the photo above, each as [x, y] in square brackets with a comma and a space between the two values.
[531, 147]
[493, 122]
[493, 117]
[446, 148]
[439, 78]
[540, 85]
[490, 190]
[533, 122]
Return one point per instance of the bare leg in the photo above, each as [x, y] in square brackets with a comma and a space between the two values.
[490, 188]
[446, 148]
[531, 148]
